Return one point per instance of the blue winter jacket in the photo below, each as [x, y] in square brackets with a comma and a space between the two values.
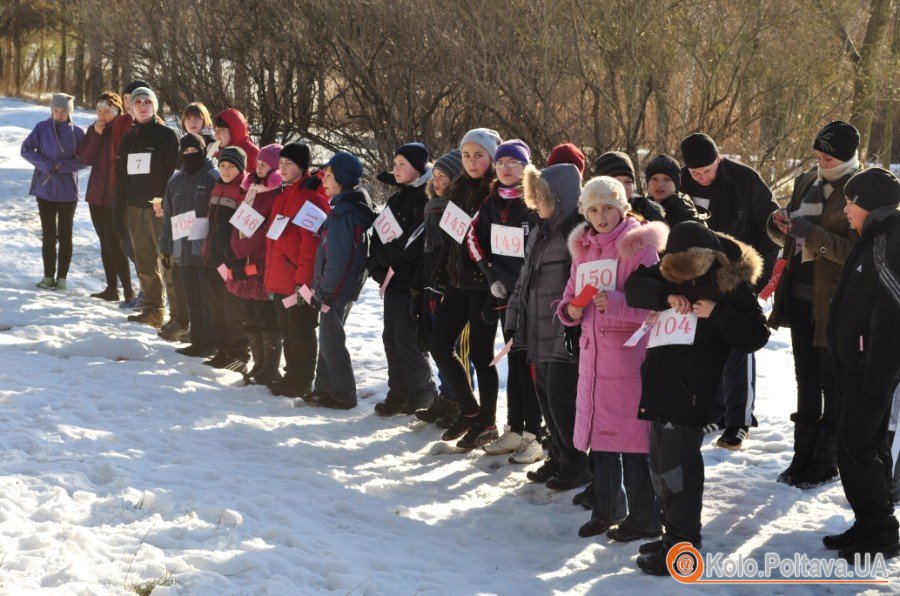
[51, 148]
[341, 257]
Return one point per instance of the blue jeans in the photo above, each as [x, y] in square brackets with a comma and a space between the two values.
[623, 491]
[334, 370]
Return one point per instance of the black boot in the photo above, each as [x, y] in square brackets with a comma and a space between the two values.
[441, 407]
[270, 359]
[390, 405]
[414, 403]
[844, 539]
[823, 468]
[548, 470]
[804, 447]
[569, 477]
[256, 352]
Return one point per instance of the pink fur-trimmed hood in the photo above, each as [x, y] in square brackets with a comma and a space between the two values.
[634, 238]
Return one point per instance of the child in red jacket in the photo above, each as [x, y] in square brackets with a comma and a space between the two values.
[290, 257]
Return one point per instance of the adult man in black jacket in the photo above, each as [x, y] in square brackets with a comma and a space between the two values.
[863, 327]
[739, 204]
[146, 160]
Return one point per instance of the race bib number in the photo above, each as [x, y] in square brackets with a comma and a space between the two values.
[455, 222]
[138, 163]
[600, 274]
[246, 219]
[672, 328]
[182, 224]
[701, 202]
[199, 229]
[386, 226]
[310, 217]
[507, 241]
[277, 227]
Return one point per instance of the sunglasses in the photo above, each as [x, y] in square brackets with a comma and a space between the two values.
[142, 102]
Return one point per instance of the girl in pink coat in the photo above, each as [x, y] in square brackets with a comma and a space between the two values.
[605, 250]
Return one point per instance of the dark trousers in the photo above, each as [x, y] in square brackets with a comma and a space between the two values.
[301, 348]
[195, 288]
[228, 315]
[458, 308]
[115, 263]
[409, 374]
[864, 458]
[334, 369]
[178, 307]
[623, 491]
[261, 317]
[556, 389]
[676, 470]
[523, 413]
[56, 227]
[736, 395]
[814, 368]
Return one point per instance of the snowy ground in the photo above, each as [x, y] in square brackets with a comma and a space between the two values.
[126, 465]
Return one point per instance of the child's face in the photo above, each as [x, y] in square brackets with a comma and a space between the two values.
[509, 170]
[142, 109]
[106, 113]
[545, 208]
[825, 161]
[476, 160]
[223, 135]
[404, 172]
[60, 114]
[228, 171]
[441, 182]
[856, 215]
[628, 183]
[603, 218]
[661, 187]
[193, 124]
[126, 103]
[262, 169]
[332, 188]
[289, 170]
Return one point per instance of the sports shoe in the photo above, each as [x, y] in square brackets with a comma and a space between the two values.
[441, 407]
[132, 301]
[46, 283]
[61, 285]
[506, 443]
[478, 435]
[109, 294]
[713, 427]
[446, 421]
[733, 437]
[528, 451]
[458, 427]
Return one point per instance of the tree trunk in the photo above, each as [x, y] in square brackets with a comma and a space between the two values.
[79, 83]
[887, 142]
[863, 110]
[16, 29]
[63, 57]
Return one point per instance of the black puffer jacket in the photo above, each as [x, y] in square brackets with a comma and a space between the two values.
[679, 382]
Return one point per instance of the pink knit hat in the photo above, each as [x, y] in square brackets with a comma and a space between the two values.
[269, 155]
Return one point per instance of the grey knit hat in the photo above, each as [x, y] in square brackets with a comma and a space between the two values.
[486, 137]
[450, 164]
[145, 92]
[61, 100]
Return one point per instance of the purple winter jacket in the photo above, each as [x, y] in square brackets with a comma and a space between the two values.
[52, 149]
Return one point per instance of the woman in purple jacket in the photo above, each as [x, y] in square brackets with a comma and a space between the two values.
[52, 149]
[97, 152]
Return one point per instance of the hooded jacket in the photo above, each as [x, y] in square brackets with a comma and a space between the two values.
[52, 149]
[186, 192]
[679, 382]
[404, 254]
[240, 135]
[609, 373]
[531, 312]
[340, 270]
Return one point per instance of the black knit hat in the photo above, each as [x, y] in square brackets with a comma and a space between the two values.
[234, 155]
[691, 234]
[873, 188]
[838, 139]
[666, 165]
[698, 150]
[297, 153]
[191, 139]
[416, 154]
[130, 87]
[614, 163]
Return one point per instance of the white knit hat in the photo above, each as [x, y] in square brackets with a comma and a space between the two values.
[603, 190]
[486, 137]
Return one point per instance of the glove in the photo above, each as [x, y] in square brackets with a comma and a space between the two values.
[415, 304]
[166, 260]
[800, 228]
[433, 298]
[573, 337]
[498, 290]
[489, 312]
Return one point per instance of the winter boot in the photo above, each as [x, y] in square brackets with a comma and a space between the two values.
[195, 350]
[569, 477]
[804, 447]
[441, 407]
[270, 359]
[147, 317]
[390, 405]
[256, 353]
[109, 294]
[46, 283]
[544, 473]
[414, 403]
[844, 539]
[593, 527]
[871, 546]
[624, 533]
[823, 468]
[221, 358]
[585, 498]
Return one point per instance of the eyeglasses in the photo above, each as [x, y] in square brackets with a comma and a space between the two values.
[142, 102]
[509, 165]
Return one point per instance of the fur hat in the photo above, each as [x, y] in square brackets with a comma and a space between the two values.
[692, 250]
[64, 101]
[603, 190]
[108, 99]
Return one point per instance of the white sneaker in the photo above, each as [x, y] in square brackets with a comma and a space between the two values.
[506, 443]
[529, 450]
